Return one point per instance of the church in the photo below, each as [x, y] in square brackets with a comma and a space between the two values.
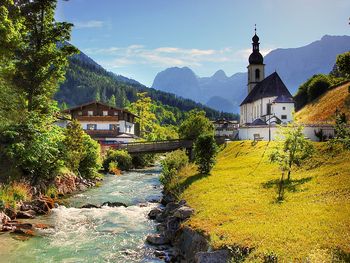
[268, 102]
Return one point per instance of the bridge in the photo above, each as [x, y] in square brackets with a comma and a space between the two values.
[156, 146]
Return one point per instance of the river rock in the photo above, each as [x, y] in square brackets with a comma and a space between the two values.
[156, 239]
[114, 204]
[183, 212]
[23, 232]
[167, 198]
[219, 256]
[4, 218]
[24, 215]
[81, 187]
[154, 212]
[10, 212]
[90, 206]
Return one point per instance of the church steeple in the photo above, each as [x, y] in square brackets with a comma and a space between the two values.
[256, 68]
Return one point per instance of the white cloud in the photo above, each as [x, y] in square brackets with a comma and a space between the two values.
[89, 24]
[118, 57]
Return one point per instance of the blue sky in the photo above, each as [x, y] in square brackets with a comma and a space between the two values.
[139, 38]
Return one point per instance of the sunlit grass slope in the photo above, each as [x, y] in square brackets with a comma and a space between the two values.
[236, 205]
[323, 108]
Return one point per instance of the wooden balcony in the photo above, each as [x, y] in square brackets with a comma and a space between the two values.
[102, 133]
[98, 118]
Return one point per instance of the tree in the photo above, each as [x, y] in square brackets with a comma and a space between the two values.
[195, 125]
[292, 149]
[146, 118]
[112, 101]
[41, 61]
[205, 151]
[343, 64]
[341, 131]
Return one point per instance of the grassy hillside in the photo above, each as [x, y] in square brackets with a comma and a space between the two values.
[323, 108]
[236, 205]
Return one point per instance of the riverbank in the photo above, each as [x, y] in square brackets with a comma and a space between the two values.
[236, 205]
[102, 234]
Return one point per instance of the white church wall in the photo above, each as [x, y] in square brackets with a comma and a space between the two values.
[283, 109]
[247, 133]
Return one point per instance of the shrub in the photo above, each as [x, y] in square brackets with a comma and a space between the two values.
[13, 193]
[205, 151]
[317, 86]
[121, 157]
[52, 191]
[194, 125]
[142, 160]
[171, 165]
[113, 168]
[90, 162]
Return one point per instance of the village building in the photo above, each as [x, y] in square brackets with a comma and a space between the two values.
[104, 123]
[226, 128]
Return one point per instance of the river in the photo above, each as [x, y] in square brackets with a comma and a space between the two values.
[107, 234]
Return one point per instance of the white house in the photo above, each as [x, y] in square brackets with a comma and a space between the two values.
[268, 101]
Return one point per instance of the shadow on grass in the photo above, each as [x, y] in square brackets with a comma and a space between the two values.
[290, 186]
[190, 180]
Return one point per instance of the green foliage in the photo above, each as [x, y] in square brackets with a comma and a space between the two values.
[343, 65]
[171, 165]
[342, 132]
[292, 150]
[205, 150]
[195, 124]
[122, 158]
[142, 160]
[73, 145]
[14, 192]
[52, 191]
[90, 162]
[112, 101]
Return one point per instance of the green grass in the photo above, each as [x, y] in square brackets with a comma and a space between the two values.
[236, 205]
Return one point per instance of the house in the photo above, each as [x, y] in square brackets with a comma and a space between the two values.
[104, 123]
[268, 101]
[226, 128]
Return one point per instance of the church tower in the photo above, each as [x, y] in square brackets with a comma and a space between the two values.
[256, 68]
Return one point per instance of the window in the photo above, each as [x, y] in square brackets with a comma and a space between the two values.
[115, 113]
[284, 117]
[91, 127]
[257, 74]
[105, 113]
[90, 113]
[113, 127]
[283, 108]
[80, 113]
[268, 109]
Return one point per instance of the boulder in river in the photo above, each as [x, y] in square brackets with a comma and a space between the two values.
[154, 212]
[114, 204]
[4, 218]
[156, 239]
[25, 215]
[218, 256]
[10, 212]
[90, 206]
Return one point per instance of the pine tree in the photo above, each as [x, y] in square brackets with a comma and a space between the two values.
[111, 101]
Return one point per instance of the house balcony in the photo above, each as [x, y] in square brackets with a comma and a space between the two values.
[102, 133]
[98, 118]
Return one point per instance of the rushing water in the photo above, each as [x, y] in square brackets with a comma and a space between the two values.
[107, 234]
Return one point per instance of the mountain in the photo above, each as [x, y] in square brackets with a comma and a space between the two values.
[294, 65]
[86, 80]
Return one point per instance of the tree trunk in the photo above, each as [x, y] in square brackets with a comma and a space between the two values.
[281, 188]
[288, 177]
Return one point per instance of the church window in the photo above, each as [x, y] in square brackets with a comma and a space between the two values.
[283, 108]
[268, 109]
[257, 74]
[284, 117]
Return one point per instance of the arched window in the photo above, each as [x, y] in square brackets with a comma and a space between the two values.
[257, 74]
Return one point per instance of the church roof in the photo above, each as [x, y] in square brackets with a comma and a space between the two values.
[271, 86]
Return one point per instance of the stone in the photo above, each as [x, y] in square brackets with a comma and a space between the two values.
[159, 254]
[25, 215]
[24, 232]
[19, 225]
[183, 212]
[154, 213]
[10, 212]
[219, 256]
[170, 208]
[90, 206]
[42, 226]
[167, 198]
[4, 218]
[81, 187]
[156, 239]
[114, 204]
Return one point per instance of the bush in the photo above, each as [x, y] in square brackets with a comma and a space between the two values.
[13, 193]
[121, 157]
[113, 168]
[52, 191]
[205, 151]
[90, 162]
[194, 125]
[171, 165]
[318, 85]
[142, 160]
